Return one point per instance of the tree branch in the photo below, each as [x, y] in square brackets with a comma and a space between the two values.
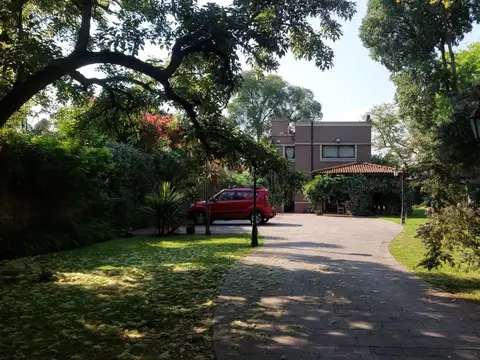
[21, 92]
[84, 31]
[86, 82]
[21, 67]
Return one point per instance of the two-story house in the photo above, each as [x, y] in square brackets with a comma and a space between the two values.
[319, 145]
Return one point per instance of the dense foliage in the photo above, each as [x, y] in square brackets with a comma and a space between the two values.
[46, 42]
[452, 236]
[367, 194]
[321, 187]
[54, 194]
[262, 98]
[428, 130]
[136, 173]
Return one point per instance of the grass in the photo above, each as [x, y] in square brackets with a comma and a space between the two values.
[409, 251]
[138, 298]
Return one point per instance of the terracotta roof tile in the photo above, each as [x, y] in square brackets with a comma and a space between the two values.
[357, 168]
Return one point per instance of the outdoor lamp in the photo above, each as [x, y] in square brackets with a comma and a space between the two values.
[475, 122]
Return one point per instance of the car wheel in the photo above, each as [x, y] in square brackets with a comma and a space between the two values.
[198, 218]
[258, 217]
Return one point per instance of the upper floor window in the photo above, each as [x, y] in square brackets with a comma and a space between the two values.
[290, 152]
[338, 151]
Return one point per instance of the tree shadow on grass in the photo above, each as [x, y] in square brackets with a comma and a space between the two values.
[141, 298]
[469, 287]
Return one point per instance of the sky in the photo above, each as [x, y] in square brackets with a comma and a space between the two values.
[355, 83]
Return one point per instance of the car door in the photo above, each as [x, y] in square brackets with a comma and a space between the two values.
[243, 201]
[221, 208]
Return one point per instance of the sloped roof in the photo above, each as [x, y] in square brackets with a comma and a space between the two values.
[357, 168]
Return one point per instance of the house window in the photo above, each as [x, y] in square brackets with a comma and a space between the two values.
[290, 152]
[338, 151]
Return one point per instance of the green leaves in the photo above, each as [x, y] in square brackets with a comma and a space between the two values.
[452, 236]
[360, 190]
[53, 194]
[167, 208]
[202, 42]
[265, 97]
[321, 187]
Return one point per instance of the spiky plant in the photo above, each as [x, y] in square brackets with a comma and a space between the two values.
[167, 207]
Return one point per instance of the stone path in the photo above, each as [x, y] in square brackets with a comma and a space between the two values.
[327, 288]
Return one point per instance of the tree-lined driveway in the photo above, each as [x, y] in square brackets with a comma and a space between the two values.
[327, 288]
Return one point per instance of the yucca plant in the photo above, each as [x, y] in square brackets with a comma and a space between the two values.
[167, 207]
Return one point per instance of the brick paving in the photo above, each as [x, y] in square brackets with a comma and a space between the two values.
[327, 288]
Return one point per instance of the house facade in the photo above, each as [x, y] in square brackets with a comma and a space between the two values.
[318, 145]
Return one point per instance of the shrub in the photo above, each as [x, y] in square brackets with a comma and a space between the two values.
[166, 207]
[135, 173]
[53, 194]
[321, 187]
[452, 235]
[361, 190]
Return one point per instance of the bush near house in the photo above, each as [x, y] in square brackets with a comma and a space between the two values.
[365, 192]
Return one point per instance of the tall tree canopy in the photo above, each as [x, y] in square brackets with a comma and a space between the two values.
[391, 137]
[408, 34]
[46, 42]
[262, 98]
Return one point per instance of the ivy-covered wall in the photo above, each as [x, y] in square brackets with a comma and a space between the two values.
[367, 194]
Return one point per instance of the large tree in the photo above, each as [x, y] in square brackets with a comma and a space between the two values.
[46, 42]
[262, 98]
[408, 34]
[391, 136]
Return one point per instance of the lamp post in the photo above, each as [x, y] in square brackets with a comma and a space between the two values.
[475, 122]
[402, 211]
[207, 205]
[254, 242]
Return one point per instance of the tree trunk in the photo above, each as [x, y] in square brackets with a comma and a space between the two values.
[453, 66]
[23, 91]
[445, 66]
[254, 242]
[207, 205]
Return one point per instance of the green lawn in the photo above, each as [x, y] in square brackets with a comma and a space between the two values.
[409, 250]
[138, 298]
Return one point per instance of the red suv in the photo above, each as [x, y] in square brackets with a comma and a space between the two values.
[234, 204]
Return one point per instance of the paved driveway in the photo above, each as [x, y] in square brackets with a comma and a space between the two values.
[327, 288]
